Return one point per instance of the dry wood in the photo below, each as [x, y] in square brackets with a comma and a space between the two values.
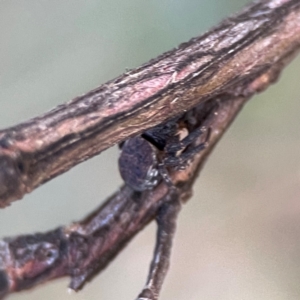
[220, 71]
[224, 60]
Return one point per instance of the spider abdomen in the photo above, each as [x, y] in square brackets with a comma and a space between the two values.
[138, 164]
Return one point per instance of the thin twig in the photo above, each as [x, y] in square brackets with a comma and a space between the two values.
[219, 70]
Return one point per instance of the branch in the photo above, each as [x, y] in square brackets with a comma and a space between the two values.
[210, 78]
[253, 45]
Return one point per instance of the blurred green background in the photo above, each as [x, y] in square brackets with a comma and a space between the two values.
[239, 236]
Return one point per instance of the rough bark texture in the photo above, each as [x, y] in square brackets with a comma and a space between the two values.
[210, 78]
[251, 45]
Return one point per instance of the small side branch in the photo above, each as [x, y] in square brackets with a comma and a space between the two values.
[166, 221]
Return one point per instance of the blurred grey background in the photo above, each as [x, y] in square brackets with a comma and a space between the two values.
[239, 236]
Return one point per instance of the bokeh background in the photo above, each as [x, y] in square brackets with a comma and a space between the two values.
[239, 236]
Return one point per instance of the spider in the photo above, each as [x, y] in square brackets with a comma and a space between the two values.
[145, 158]
[143, 163]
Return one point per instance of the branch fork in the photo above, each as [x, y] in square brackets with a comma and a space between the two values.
[209, 78]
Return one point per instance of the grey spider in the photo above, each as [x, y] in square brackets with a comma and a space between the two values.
[145, 158]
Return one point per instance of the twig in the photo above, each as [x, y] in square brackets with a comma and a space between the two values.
[243, 48]
[219, 70]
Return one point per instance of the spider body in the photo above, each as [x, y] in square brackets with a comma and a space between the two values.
[138, 164]
[145, 158]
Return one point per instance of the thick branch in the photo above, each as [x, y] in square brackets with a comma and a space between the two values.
[241, 56]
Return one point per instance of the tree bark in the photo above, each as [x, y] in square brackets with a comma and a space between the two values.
[251, 47]
[211, 78]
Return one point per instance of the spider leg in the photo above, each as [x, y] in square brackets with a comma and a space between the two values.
[165, 175]
[166, 222]
[181, 161]
[174, 147]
